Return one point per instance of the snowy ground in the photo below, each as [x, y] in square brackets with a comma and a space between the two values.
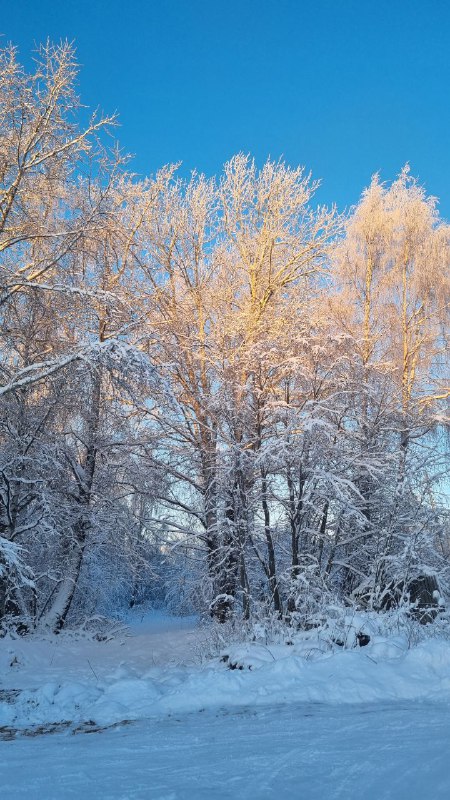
[303, 722]
[302, 752]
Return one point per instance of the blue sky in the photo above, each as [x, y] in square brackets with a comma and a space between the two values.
[345, 87]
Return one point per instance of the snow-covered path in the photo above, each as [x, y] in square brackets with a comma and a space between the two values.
[301, 752]
[149, 640]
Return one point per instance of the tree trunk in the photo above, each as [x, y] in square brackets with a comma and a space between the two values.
[55, 614]
[271, 563]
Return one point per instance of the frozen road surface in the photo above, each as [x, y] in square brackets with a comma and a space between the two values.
[399, 751]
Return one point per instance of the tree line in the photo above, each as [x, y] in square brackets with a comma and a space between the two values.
[210, 388]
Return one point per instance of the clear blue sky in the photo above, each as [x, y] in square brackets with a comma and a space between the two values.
[344, 87]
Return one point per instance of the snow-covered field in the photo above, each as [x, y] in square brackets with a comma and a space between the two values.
[156, 669]
[303, 722]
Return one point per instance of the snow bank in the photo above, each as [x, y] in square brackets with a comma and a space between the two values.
[135, 688]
